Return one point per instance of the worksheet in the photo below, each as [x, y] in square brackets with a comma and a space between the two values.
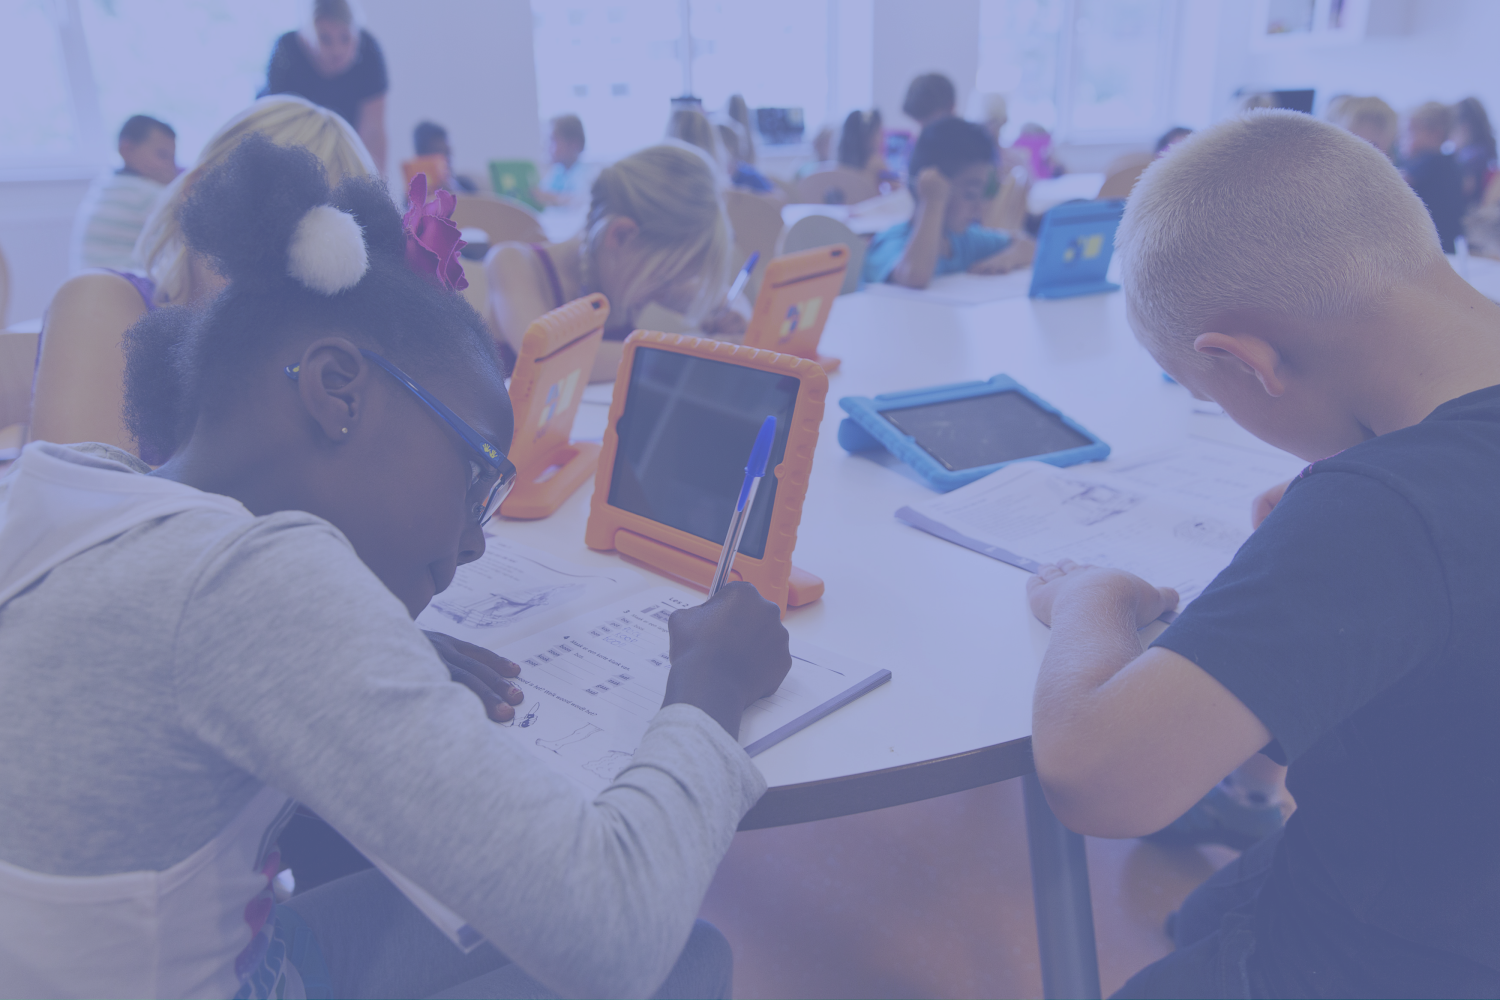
[1175, 519]
[594, 683]
[962, 289]
[513, 590]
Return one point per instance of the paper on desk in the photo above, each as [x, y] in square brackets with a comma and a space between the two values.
[962, 289]
[1175, 519]
[513, 590]
[593, 685]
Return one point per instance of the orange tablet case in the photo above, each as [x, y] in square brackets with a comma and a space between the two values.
[795, 296]
[691, 558]
[557, 353]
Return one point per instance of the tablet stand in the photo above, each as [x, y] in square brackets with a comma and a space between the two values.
[546, 386]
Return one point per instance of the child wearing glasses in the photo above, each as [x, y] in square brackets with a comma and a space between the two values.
[189, 652]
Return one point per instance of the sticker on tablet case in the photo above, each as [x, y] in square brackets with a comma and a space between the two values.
[800, 314]
[559, 395]
[1084, 248]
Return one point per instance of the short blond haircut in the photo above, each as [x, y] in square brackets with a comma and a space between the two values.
[671, 192]
[1273, 212]
[286, 120]
[1433, 116]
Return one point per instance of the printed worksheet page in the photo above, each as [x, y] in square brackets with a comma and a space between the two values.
[594, 683]
[1175, 519]
[513, 590]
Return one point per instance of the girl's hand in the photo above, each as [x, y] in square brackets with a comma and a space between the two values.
[1020, 253]
[482, 672]
[1261, 506]
[724, 324]
[1067, 583]
[932, 186]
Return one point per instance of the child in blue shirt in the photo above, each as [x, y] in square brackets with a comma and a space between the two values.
[951, 164]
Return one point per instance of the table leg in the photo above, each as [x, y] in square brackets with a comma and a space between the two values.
[1064, 911]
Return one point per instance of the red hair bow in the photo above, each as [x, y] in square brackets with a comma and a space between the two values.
[432, 242]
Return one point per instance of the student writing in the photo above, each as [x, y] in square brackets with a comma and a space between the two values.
[1281, 267]
[239, 634]
[656, 232]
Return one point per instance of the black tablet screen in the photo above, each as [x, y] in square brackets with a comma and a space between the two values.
[982, 430]
[685, 436]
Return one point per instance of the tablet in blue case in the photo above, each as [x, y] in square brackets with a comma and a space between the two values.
[955, 434]
[1074, 247]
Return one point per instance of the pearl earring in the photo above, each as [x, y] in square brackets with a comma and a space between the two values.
[344, 429]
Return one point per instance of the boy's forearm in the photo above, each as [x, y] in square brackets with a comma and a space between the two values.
[919, 260]
[1093, 638]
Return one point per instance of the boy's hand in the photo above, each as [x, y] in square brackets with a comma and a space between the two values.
[1020, 252]
[1261, 506]
[932, 186]
[482, 672]
[726, 653]
[1067, 582]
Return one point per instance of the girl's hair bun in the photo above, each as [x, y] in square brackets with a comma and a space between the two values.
[327, 251]
[246, 215]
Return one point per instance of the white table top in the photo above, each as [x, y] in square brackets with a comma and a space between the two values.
[1053, 191]
[951, 625]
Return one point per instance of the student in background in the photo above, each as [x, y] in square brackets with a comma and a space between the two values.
[1433, 174]
[261, 649]
[1370, 118]
[1277, 266]
[96, 308]
[929, 98]
[1171, 137]
[692, 126]
[823, 145]
[1035, 144]
[334, 62]
[742, 174]
[1474, 147]
[862, 145]
[117, 204]
[739, 112]
[564, 183]
[431, 139]
[656, 232]
[951, 164]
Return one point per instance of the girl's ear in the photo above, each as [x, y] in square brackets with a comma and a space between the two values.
[621, 233]
[332, 382]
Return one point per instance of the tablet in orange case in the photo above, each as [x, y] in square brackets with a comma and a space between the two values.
[557, 354]
[684, 417]
[795, 297]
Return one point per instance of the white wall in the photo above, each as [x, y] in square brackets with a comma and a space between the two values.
[467, 65]
[1414, 51]
[912, 38]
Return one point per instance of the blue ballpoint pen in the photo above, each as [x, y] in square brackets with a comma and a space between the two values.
[741, 278]
[755, 470]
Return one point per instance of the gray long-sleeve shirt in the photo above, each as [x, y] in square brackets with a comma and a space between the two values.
[150, 686]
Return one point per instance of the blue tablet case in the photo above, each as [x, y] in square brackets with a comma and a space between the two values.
[1073, 249]
[866, 430]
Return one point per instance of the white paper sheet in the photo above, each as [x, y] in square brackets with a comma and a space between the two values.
[593, 684]
[514, 590]
[962, 289]
[1175, 519]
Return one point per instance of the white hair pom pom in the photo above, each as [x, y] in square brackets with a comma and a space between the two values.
[327, 252]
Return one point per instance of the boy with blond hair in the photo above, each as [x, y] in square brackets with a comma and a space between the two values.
[1280, 267]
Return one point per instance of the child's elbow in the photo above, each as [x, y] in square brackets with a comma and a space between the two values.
[1093, 795]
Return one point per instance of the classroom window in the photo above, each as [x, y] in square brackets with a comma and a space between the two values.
[142, 51]
[41, 127]
[617, 64]
[1088, 70]
[87, 65]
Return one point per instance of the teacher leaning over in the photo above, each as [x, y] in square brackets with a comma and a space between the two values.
[335, 63]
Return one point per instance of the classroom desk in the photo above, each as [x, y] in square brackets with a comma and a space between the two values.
[951, 625]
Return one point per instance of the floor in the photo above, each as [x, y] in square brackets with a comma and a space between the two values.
[931, 899]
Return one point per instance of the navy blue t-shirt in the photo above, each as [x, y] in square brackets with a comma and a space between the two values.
[1437, 180]
[1361, 625]
[291, 71]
